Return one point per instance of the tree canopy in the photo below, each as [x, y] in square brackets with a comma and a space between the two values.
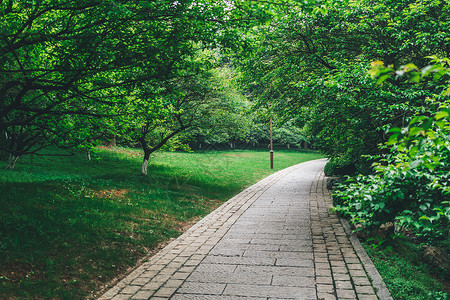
[312, 65]
[68, 65]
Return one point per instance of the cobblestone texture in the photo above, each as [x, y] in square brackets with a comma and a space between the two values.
[275, 240]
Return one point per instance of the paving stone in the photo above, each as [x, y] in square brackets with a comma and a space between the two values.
[141, 295]
[355, 266]
[341, 277]
[326, 296]
[335, 263]
[321, 255]
[361, 280]
[352, 260]
[343, 284]
[339, 270]
[180, 275]
[260, 261]
[173, 283]
[201, 288]
[153, 286]
[279, 254]
[130, 289]
[270, 291]
[230, 277]
[292, 262]
[323, 272]
[284, 280]
[325, 288]
[161, 278]
[156, 267]
[319, 265]
[358, 273]
[276, 270]
[219, 268]
[345, 294]
[186, 269]
[327, 279]
[364, 289]
[228, 251]
[165, 292]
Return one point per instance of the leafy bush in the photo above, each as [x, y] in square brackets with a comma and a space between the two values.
[339, 166]
[411, 185]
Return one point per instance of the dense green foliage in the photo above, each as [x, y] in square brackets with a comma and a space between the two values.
[312, 65]
[69, 225]
[72, 72]
[411, 183]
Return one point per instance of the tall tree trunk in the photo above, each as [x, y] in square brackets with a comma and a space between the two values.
[12, 161]
[88, 154]
[111, 143]
[145, 162]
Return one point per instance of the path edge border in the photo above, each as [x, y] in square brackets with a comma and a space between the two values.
[377, 281]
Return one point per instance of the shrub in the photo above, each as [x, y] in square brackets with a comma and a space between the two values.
[340, 166]
[411, 185]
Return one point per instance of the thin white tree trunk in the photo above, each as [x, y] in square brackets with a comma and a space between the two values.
[12, 161]
[88, 155]
[144, 167]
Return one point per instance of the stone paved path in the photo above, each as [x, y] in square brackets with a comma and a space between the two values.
[275, 240]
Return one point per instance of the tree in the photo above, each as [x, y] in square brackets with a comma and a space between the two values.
[312, 65]
[63, 58]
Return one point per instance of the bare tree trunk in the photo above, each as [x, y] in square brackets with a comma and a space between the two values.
[88, 155]
[112, 142]
[145, 162]
[12, 161]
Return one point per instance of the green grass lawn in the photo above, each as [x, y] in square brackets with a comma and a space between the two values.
[68, 226]
[405, 273]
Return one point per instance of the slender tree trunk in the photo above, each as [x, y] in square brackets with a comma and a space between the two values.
[145, 162]
[111, 143]
[12, 161]
[88, 155]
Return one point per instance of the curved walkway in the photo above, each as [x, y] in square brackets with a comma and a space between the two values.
[275, 240]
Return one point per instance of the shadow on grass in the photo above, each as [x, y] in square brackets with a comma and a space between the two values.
[68, 225]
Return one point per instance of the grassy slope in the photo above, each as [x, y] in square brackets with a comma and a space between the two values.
[405, 273]
[68, 225]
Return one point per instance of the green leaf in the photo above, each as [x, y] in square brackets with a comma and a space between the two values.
[415, 130]
[382, 78]
[441, 115]
[393, 139]
[395, 130]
